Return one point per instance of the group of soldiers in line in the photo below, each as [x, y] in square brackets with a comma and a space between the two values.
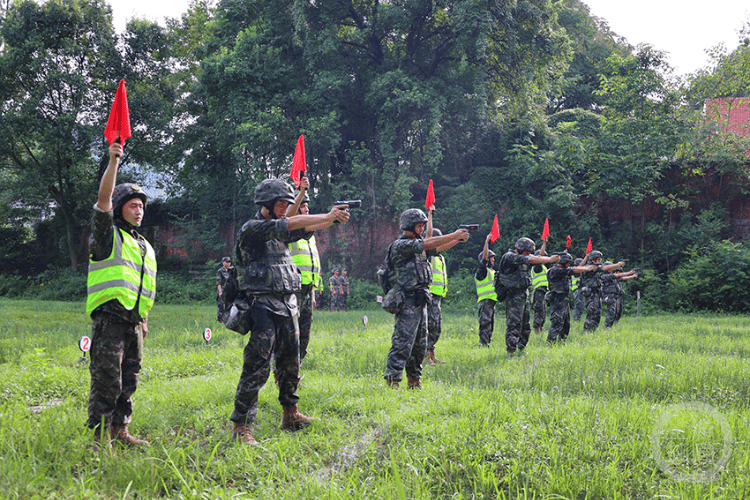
[418, 282]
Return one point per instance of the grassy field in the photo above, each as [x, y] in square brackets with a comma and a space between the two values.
[655, 408]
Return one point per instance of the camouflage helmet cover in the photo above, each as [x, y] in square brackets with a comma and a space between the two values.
[525, 245]
[436, 232]
[490, 254]
[577, 261]
[565, 258]
[410, 218]
[270, 190]
[124, 192]
[595, 254]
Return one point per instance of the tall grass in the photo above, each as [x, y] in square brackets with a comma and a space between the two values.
[571, 421]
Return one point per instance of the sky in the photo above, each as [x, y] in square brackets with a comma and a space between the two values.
[682, 28]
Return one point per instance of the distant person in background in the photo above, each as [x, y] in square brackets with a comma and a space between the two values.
[223, 275]
[559, 296]
[334, 288]
[612, 293]
[591, 282]
[579, 303]
[121, 290]
[484, 279]
[319, 295]
[344, 295]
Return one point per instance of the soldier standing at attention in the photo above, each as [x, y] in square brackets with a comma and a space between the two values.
[514, 275]
[539, 286]
[484, 279]
[121, 290]
[591, 287]
[579, 304]
[222, 276]
[412, 284]
[559, 293]
[271, 282]
[334, 287]
[438, 290]
[344, 283]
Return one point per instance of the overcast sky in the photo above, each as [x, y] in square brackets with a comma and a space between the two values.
[682, 28]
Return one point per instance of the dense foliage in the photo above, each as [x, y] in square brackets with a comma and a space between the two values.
[529, 109]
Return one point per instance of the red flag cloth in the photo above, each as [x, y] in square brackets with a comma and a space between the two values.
[430, 200]
[567, 244]
[589, 247]
[298, 164]
[118, 124]
[545, 231]
[495, 230]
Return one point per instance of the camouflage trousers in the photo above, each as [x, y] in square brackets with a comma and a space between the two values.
[593, 298]
[333, 302]
[319, 300]
[408, 342]
[305, 301]
[559, 317]
[116, 355]
[614, 309]
[342, 301]
[272, 336]
[539, 307]
[518, 328]
[579, 304]
[221, 306]
[434, 321]
[486, 316]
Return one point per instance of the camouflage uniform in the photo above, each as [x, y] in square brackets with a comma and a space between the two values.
[579, 303]
[222, 276]
[409, 340]
[611, 296]
[437, 292]
[514, 273]
[344, 282]
[559, 302]
[333, 298]
[116, 338]
[591, 288]
[537, 299]
[270, 280]
[485, 308]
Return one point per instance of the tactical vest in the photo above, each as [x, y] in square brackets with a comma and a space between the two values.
[592, 279]
[539, 279]
[414, 273]
[512, 275]
[575, 279]
[610, 286]
[560, 285]
[486, 287]
[439, 285]
[272, 272]
[305, 257]
[125, 276]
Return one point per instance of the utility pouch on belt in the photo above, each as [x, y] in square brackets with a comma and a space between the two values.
[394, 300]
[237, 318]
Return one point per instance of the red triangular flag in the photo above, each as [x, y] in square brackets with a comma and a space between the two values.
[430, 200]
[495, 230]
[567, 244]
[118, 124]
[545, 231]
[298, 164]
[589, 247]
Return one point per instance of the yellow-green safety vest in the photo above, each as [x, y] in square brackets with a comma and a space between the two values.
[119, 276]
[439, 284]
[305, 257]
[539, 279]
[486, 287]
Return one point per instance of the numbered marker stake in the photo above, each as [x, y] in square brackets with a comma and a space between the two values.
[207, 334]
[84, 344]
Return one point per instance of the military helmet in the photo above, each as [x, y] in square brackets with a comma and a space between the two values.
[490, 253]
[410, 218]
[525, 245]
[595, 254]
[124, 192]
[436, 232]
[565, 258]
[270, 190]
[607, 263]
[577, 262]
[306, 198]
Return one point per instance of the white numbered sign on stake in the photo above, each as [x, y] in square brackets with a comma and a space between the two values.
[207, 333]
[84, 344]
[364, 320]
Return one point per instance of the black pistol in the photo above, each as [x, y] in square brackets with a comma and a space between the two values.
[349, 204]
[470, 227]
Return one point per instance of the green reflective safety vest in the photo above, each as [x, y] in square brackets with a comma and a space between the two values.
[123, 276]
[439, 284]
[575, 279]
[305, 257]
[486, 287]
[539, 279]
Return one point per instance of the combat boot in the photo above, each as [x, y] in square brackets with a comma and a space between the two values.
[102, 440]
[428, 359]
[393, 384]
[121, 434]
[414, 383]
[293, 419]
[242, 432]
[435, 361]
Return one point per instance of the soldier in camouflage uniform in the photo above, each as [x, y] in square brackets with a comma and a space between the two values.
[484, 280]
[270, 281]
[513, 273]
[412, 285]
[591, 287]
[539, 288]
[121, 291]
[344, 295]
[558, 296]
[612, 293]
[222, 276]
[579, 304]
[334, 288]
